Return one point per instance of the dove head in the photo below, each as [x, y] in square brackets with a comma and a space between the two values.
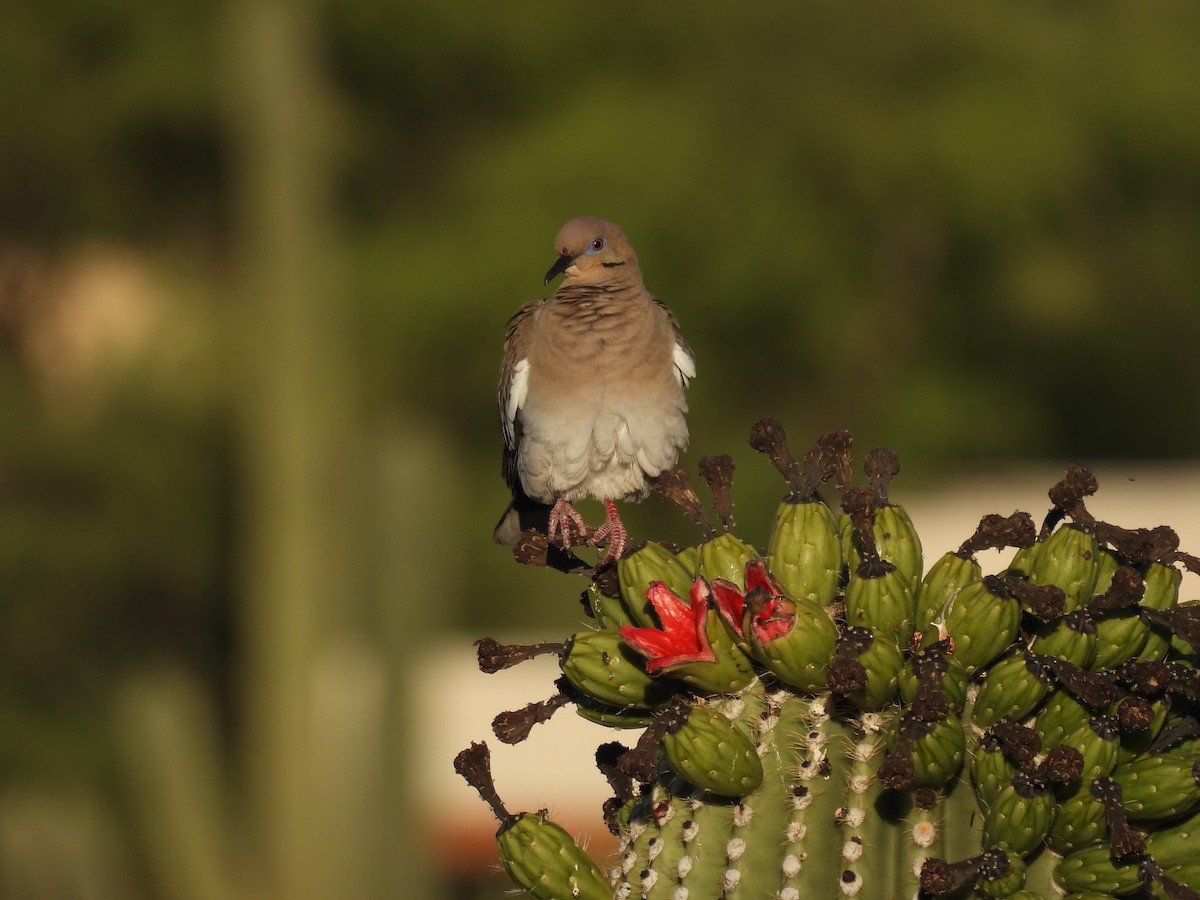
[593, 251]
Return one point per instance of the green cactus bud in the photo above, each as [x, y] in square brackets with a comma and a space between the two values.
[1120, 637]
[1021, 565]
[1068, 559]
[609, 612]
[635, 572]
[1158, 787]
[1092, 870]
[1162, 592]
[952, 683]
[938, 755]
[1099, 741]
[982, 619]
[1079, 821]
[896, 541]
[725, 557]
[1013, 687]
[709, 751]
[1107, 563]
[991, 769]
[601, 665]
[1175, 843]
[805, 551]
[1019, 817]
[689, 558]
[878, 596]
[611, 716]
[541, 858]
[1060, 715]
[1001, 877]
[942, 582]
[866, 669]
[1071, 637]
[1134, 743]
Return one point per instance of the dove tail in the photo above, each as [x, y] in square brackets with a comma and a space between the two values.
[521, 515]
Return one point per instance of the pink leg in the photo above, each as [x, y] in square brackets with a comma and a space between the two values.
[562, 517]
[613, 529]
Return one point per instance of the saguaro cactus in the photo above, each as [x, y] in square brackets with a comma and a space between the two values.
[828, 720]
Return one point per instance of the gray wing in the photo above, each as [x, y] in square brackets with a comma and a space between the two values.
[685, 360]
[514, 380]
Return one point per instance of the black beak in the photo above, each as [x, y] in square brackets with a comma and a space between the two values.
[560, 266]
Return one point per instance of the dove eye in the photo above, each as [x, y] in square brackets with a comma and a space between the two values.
[597, 245]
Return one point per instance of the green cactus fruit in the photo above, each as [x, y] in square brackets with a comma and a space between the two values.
[1013, 687]
[952, 682]
[707, 750]
[1079, 821]
[982, 619]
[805, 551]
[1162, 592]
[1107, 563]
[1068, 559]
[1176, 843]
[725, 557]
[896, 541]
[611, 716]
[609, 612]
[991, 769]
[1135, 743]
[652, 562]
[1092, 870]
[945, 578]
[1021, 565]
[1059, 715]
[602, 666]
[1001, 875]
[542, 859]
[1019, 816]
[1098, 740]
[1158, 787]
[1120, 637]
[1071, 637]
[879, 596]
[866, 669]
[689, 558]
[937, 755]
[794, 639]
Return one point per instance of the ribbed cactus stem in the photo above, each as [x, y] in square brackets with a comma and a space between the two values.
[866, 849]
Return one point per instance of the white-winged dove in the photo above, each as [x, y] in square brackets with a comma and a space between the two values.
[591, 390]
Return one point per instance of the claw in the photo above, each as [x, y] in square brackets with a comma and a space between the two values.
[562, 517]
[613, 529]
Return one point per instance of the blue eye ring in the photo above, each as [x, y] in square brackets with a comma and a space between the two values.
[596, 246]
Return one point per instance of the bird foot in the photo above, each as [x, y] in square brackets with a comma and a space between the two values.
[562, 517]
[613, 529]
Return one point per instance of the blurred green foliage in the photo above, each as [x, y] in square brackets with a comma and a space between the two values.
[967, 232]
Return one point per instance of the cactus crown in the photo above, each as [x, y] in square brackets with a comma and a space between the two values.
[828, 719]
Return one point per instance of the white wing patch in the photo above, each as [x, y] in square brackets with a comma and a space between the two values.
[685, 366]
[518, 390]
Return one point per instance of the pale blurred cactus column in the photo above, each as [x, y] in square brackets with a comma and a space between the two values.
[299, 809]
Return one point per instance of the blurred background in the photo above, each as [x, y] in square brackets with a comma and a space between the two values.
[255, 266]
